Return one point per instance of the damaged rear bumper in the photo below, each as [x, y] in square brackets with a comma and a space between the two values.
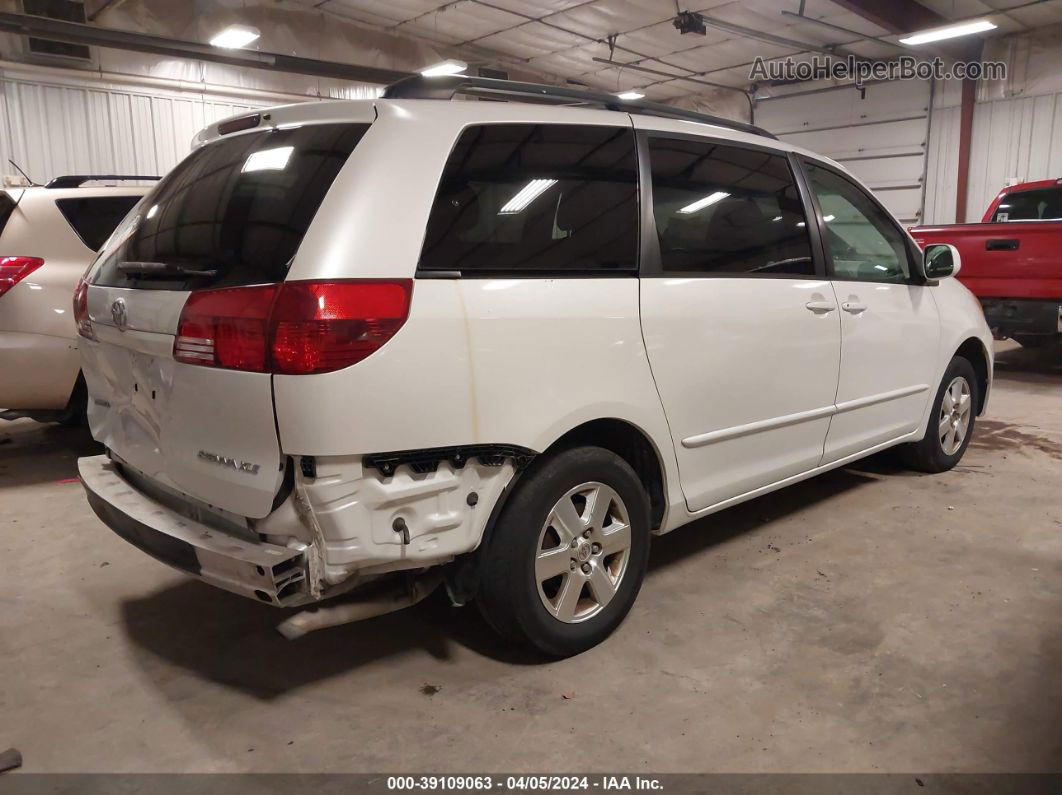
[258, 570]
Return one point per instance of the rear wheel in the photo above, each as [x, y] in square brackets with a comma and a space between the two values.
[568, 554]
[951, 423]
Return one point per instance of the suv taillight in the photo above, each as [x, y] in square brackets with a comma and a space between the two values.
[294, 328]
[15, 269]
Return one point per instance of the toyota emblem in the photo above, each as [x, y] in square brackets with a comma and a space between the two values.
[119, 315]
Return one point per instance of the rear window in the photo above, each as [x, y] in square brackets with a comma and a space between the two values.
[238, 208]
[7, 206]
[95, 217]
[1030, 205]
[536, 198]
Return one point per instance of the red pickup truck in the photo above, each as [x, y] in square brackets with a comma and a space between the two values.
[1012, 260]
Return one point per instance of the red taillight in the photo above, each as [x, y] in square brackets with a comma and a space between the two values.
[323, 326]
[15, 269]
[294, 328]
[226, 328]
[81, 315]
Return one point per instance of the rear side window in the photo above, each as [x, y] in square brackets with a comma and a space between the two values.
[536, 198]
[238, 207]
[95, 217]
[726, 210]
[1030, 205]
[7, 206]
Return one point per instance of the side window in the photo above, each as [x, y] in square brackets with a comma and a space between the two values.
[95, 217]
[727, 210]
[862, 241]
[526, 198]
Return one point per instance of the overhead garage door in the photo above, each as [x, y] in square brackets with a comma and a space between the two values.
[879, 134]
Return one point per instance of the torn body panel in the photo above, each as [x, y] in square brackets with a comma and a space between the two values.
[335, 531]
[373, 523]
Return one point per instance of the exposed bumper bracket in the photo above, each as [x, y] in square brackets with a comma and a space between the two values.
[258, 570]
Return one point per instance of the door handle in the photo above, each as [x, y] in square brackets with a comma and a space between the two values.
[1002, 244]
[853, 307]
[820, 307]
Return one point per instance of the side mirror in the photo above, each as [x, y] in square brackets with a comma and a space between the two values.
[941, 261]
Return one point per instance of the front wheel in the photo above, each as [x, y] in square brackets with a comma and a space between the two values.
[569, 552]
[951, 423]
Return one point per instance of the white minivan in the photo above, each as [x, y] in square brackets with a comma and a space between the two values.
[346, 347]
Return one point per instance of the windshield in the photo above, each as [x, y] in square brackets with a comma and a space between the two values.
[233, 212]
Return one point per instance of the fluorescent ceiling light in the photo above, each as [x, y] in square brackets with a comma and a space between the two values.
[527, 194]
[630, 95]
[449, 67]
[707, 201]
[235, 36]
[949, 32]
[268, 159]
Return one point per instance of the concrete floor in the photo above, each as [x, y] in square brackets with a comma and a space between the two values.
[867, 620]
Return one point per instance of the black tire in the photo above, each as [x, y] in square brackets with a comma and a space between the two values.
[75, 414]
[509, 592]
[929, 455]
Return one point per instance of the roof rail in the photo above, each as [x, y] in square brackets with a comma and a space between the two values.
[77, 180]
[445, 87]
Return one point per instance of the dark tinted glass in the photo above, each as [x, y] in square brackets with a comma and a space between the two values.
[1030, 205]
[7, 206]
[95, 217]
[520, 198]
[727, 210]
[239, 206]
[863, 242]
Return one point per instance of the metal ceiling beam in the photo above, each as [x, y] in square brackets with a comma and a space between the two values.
[907, 16]
[77, 33]
[896, 16]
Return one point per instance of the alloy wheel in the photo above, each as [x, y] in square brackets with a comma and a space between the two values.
[583, 551]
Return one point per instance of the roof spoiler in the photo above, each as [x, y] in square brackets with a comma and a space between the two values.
[446, 87]
[77, 180]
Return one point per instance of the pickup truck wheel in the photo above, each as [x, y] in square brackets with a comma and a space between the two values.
[951, 423]
[569, 552]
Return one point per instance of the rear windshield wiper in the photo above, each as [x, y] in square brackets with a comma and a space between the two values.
[161, 269]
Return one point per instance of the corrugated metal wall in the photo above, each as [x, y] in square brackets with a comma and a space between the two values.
[59, 127]
[1014, 140]
[879, 135]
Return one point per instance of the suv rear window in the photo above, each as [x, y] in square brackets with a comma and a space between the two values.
[7, 206]
[95, 217]
[1030, 205]
[239, 207]
[523, 198]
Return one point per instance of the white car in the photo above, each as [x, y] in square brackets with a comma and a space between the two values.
[48, 237]
[500, 344]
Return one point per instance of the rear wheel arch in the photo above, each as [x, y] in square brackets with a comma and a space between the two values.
[631, 444]
[621, 437]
